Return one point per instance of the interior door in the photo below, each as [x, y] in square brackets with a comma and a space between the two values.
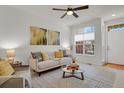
[116, 47]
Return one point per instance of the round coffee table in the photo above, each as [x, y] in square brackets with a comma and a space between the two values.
[73, 73]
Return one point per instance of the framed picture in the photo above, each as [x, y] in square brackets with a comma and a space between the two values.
[53, 38]
[38, 36]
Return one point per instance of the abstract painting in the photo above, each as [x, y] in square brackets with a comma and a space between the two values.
[38, 36]
[53, 38]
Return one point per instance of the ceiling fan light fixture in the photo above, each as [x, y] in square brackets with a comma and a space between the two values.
[113, 15]
[69, 12]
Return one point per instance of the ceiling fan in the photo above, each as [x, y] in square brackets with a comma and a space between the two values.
[71, 11]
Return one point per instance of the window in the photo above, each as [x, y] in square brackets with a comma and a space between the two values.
[79, 43]
[84, 42]
[118, 27]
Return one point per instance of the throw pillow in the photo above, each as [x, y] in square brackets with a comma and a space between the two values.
[37, 55]
[6, 69]
[51, 55]
[58, 54]
[45, 56]
[64, 53]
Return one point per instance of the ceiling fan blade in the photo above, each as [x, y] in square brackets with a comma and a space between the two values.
[75, 15]
[81, 8]
[63, 15]
[59, 9]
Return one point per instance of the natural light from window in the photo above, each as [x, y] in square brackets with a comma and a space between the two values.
[117, 27]
[84, 42]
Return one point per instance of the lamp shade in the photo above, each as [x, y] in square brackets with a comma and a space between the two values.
[10, 53]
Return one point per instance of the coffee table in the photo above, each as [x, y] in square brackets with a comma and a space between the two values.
[73, 73]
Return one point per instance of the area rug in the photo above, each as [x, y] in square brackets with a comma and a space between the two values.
[94, 77]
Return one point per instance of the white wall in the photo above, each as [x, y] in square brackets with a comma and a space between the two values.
[15, 32]
[103, 41]
[97, 57]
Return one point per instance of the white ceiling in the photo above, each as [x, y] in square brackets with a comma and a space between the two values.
[94, 11]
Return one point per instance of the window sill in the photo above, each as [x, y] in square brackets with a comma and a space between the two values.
[83, 55]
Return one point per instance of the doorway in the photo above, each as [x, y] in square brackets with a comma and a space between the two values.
[115, 44]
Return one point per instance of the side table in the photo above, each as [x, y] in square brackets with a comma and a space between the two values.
[16, 63]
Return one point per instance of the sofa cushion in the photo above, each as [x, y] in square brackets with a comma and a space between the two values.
[47, 64]
[51, 55]
[37, 55]
[65, 60]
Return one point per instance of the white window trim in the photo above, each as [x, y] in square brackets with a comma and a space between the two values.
[84, 44]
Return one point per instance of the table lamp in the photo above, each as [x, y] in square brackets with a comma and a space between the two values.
[10, 54]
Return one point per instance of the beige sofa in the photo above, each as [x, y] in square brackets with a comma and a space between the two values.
[48, 64]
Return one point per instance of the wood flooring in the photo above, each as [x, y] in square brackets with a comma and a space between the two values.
[115, 66]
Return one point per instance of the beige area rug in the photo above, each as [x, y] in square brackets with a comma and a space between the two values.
[95, 77]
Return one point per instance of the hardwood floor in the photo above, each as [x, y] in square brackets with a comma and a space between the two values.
[115, 66]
